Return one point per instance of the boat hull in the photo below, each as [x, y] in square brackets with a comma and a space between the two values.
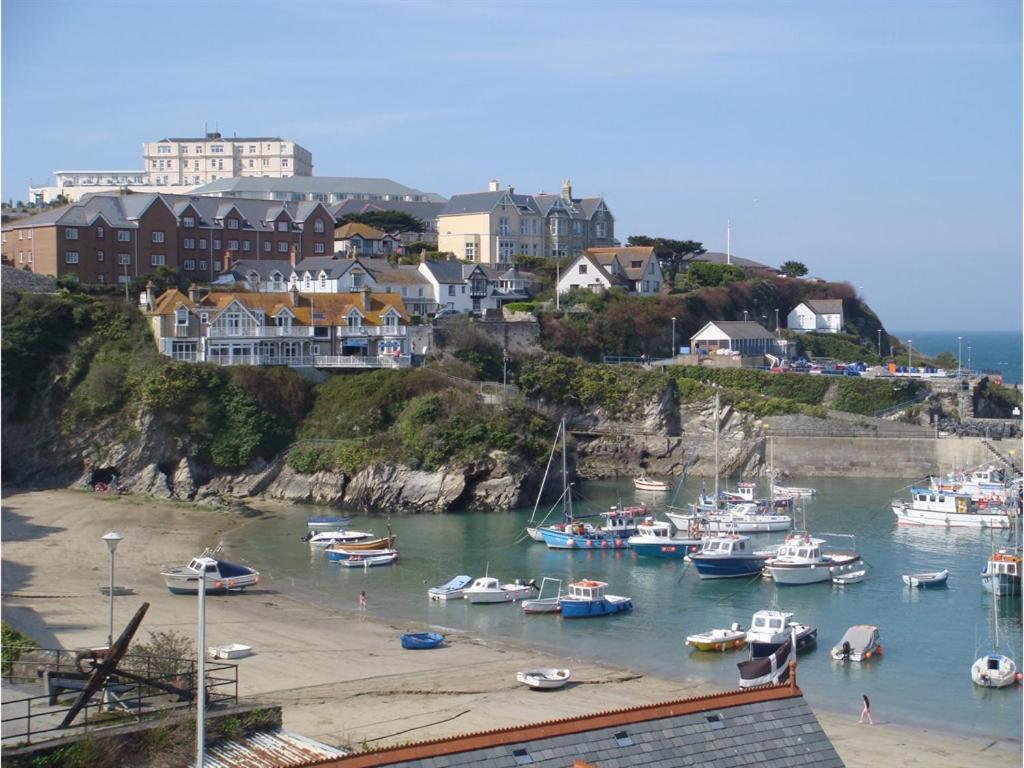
[994, 671]
[421, 641]
[805, 637]
[232, 651]
[789, 574]
[751, 524]
[926, 580]
[1001, 584]
[368, 560]
[556, 539]
[184, 584]
[718, 640]
[544, 679]
[670, 549]
[908, 515]
[727, 567]
[586, 609]
[542, 605]
[497, 596]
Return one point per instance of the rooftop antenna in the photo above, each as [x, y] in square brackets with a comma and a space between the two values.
[728, 242]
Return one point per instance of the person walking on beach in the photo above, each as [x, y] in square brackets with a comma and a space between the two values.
[866, 712]
[362, 601]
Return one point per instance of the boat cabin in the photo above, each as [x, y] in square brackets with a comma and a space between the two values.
[486, 582]
[204, 565]
[770, 621]
[744, 492]
[587, 590]
[655, 529]
[727, 545]
[801, 547]
[1002, 562]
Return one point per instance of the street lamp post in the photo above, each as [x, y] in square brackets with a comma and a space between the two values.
[776, 320]
[910, 355]
[958, 369]
[969, 367]
[879, 342]
[673, 338]
[112, 539]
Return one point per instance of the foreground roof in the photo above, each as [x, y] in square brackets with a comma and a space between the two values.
[824, 306]
[771, 726]
[740, 329]
[324, 309]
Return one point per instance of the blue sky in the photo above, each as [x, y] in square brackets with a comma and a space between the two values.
[877, 142]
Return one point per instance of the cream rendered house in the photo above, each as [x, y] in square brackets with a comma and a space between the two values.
[635, 269]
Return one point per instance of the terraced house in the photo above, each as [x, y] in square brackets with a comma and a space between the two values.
[344, 330]
[493, 226]
[114, 238]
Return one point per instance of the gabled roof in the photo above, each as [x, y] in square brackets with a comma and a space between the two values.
[625, 256]
[365, 231]
[330, 308]
[241, 268]
[824, 306]
[474, 202]
[444, 271]
[601, 262]
[771, 726]
[739, 329]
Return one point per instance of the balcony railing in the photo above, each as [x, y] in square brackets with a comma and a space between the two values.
[372, 330]
[317, 361]
[262, 332]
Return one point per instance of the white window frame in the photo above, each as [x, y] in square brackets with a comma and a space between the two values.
[190, 265]
[318, 226]
[180, 317]
[70, 233]
[157, 260]
[188, 221]
[100, 256]
[70, 257]
[232, 223]
[158, 236]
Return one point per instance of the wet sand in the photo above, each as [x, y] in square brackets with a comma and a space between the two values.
[341, 676]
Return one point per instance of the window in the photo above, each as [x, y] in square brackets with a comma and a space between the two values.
[524, 226]
[323, 280]
[354, 321]
[451, 290]
[188, 221]
[202, 243]
[217, 149]
[199, 149]
[188, 243]
[216, 244]
[216, 265]
[71, 257]
[282, 226]
[521, 756]
[232, 223]
[635, 264]
[583, 269]
[180, 316]
[471, 251]
[99, 255]
[282, 247]
[101, 279]
[623, 739]
[123, 279]
[190, 265]
[246, 245]
[202, 268]
[157, 260]
[99, 232]
[285, 162]
[318, 248]
[599, 229]
[252, 163]
[29, 257]
[158, 236]
[184, 149]
[577, 227]
[232, 245]
[318, 226]
[164, 149]
[123, 258]
[503, 228]
[556, 226]
[70, 233]
[267, 245]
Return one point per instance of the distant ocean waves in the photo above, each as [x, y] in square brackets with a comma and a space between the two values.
[985, 350]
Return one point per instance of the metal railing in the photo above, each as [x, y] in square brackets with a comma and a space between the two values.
[262, 332]
[134, 700]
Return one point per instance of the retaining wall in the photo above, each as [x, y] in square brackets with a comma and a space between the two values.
[904, 457]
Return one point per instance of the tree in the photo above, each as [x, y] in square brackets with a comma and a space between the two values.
[705, 274]
[673, 255]
[386, 221]
[793, 269]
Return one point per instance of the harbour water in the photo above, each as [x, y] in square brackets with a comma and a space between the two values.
[989, 350]
[930, 638]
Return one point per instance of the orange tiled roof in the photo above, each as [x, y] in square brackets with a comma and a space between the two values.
[365, 231]
[330, 308]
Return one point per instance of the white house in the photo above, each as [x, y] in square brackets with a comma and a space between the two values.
[448, 285]
[740, 337]
[820, 315]
[355, 239]
[633, 268]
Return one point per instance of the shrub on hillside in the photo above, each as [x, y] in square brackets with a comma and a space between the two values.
[797, 387]
[868, 396]
[618, 390]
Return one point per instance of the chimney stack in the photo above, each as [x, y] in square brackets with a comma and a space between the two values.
[567, 190]
[493, 186]
[193, 293]
[366, 298]
[292, 255]
[150, 303]
[294, 293]
[227, 261]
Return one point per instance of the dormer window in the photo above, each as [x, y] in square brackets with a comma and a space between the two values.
[391, 321]
[354, 320]
[232, 223]
[284, 320]
[180, 317]
[282, 226]
[276, 278]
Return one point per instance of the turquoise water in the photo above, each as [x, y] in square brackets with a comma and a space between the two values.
[930, 638]
[989, 350]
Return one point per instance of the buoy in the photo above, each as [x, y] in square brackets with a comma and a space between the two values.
[1018, 677]
[867, 655]
[878, 649]
[718, 646]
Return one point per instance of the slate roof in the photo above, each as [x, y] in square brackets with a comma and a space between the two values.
[824, 306]
[262, 267]
[445, 271]
[716, 257]
[474, 202]
[313, 185]
[625, 256]
[740, 329]
[541, 205]
[427, 212]
[771, 727]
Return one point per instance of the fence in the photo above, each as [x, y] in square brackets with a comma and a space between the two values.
[170, 685]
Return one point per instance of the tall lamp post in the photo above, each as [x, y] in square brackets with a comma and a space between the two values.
[673, 338]
[776, 321]
[879, 342]
[112, 539]
[959, 339]
[910, 355]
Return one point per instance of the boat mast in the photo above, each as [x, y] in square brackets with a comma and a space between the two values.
[716, 449]
[566, 492]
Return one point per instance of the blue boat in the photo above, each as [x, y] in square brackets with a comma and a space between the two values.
[728, 556]
[654, 539]
[587, 599]
[327, 522]
[421, 641]
[620, 523]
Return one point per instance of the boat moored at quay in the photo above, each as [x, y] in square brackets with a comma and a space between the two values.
[928, 506]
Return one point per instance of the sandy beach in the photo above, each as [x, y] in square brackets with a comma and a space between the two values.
[341, 677]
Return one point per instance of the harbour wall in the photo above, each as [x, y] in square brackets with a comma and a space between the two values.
[903, 457]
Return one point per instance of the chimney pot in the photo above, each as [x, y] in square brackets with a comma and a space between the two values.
[493, 186]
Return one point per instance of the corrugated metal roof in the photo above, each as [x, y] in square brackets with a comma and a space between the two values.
[267, 749]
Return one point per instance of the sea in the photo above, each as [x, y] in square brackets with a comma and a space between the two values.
[981, 350]
[930, 637]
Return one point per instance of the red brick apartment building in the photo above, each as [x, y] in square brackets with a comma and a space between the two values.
[114, 238]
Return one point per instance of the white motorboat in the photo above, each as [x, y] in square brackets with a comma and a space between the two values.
[644, 483]
[928, 506]
[369, 558]
[220, 576]
[860, 643]
[544, 679]
[994, 671]
[654, 539]
[740, 518]
[925, 580]
[794, 491]
[229, 651]
[450, 591]
[770, 629]
[542, 604]
[800, 560]
[326, 522]
[488, 589]
[719, 639]
[341, 537]
[849, 577]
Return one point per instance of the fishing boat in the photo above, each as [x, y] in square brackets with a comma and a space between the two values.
[229, 651]
[746, 517]
[488, 589]
[793, 491]
[770, 669]
[421, 641]
[931, 507]
[587, 599]
[542, 603]
[327, 522]
[340, 551]
[860, 643]
[849, 577]
[727, 556]
[1002, 573]
[654, 539]
[983, 484]
[544, 679]
[620, 523]
[925, 580]
[644, 483]
[801, 560]
[363, 559]
[770, 629]
[450, 591]
[220, 576]
[342, 537]
[719, 639]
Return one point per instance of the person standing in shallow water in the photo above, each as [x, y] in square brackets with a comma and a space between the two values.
[362, 601]
[866, 712]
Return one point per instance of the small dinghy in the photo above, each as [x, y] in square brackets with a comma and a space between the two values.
[860, 643]
[851, 577]
[342, 538]
[544, 679]
[421, 641]
[369, 559]
[327, 522]
[229, 651]
[542, 604]
[450, 591]
[925, 580]
[719, 639]
[644, 483]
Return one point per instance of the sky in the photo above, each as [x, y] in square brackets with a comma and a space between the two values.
[876, 142]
